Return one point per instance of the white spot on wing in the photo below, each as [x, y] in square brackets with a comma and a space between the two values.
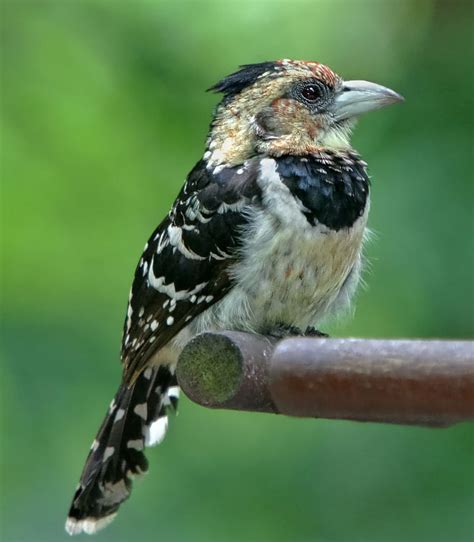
[219, 254]
[175, 235]
[129, 316]
[170, 290]
[162, 243]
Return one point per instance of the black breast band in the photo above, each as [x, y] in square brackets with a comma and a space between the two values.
[333, 188]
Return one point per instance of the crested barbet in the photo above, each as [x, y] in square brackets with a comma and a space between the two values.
[265, 236]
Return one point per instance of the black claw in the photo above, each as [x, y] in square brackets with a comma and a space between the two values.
[313, 332]
[281, 331]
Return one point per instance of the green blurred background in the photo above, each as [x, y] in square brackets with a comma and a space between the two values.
[103, 114]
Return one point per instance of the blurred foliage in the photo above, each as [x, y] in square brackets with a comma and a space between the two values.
[103, 114]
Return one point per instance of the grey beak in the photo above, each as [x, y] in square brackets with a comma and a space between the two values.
[357, 97]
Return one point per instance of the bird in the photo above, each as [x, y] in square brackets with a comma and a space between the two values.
[265, 236]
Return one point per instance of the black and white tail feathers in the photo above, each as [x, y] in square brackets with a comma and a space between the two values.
[137, 418]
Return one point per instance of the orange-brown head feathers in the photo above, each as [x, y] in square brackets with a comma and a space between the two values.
[287, 107]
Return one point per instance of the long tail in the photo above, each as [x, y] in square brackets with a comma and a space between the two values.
[137, 417]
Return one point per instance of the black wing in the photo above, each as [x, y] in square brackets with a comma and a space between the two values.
[183, 269]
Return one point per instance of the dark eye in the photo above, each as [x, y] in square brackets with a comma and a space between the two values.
[311, 93]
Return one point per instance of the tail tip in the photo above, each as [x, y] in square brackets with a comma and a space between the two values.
[88, 525]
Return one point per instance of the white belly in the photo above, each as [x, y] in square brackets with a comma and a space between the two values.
[290, 277]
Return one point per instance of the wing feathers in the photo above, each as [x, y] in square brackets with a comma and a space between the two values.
[183, 269]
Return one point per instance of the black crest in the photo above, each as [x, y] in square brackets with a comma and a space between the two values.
[246, 76]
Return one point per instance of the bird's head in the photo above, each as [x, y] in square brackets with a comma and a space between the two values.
[288, 107]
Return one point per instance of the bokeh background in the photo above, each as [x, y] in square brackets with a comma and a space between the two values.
[103, 114]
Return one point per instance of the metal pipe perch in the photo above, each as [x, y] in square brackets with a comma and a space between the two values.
[416, 382]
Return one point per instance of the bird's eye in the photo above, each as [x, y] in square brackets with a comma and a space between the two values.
[311, 93]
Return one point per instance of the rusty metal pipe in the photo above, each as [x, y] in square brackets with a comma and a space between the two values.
[421, 382]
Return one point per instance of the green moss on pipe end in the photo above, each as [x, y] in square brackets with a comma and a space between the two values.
[210, 369]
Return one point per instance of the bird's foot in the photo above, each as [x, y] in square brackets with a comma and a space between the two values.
[313, 332]
[280, 331]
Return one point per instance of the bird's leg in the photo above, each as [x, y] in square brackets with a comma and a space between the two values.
[280, 331]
